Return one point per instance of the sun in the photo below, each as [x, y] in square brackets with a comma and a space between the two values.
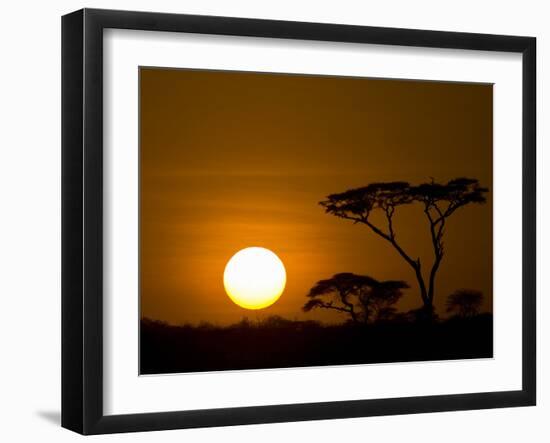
[254, 278]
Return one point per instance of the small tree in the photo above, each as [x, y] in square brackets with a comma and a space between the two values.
[377, 302]
[464, 302]
[359, 296]
[438, 201]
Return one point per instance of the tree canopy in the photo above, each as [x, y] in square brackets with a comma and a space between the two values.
[357, 204]
[360, 296]
[464, 302]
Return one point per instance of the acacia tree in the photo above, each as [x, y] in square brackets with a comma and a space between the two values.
[358, 296]
[438, 201]
[464, 302]
[377, 302]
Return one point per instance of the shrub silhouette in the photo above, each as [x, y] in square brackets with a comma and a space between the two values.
[464, 302]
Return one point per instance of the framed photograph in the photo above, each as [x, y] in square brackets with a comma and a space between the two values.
[268, 221]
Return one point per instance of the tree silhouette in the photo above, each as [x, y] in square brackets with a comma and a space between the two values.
[439, 202]
[360, 296]
[377, 302]
[464, 302]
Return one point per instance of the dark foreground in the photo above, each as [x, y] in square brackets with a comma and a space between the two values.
[280, 343]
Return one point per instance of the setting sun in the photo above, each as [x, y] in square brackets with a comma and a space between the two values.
[254, 278]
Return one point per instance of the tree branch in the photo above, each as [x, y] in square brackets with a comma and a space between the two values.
[436, 233]
[389, 216]
[346, 310]
[389, 238]
[350, 308]
[415, 264]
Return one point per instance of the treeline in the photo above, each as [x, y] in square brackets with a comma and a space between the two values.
[276, 342]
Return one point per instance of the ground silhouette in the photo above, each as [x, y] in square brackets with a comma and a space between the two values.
[280, 343]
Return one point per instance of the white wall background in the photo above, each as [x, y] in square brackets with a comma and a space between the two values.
[30, 218]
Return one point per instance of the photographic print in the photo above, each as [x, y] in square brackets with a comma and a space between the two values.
[292, 220]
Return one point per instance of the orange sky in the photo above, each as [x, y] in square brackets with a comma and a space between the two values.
[232, 159]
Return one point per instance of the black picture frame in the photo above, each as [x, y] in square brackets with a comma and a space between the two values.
[82, 220]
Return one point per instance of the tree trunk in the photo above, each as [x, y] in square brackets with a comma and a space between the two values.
[428, 314]
[426, 293]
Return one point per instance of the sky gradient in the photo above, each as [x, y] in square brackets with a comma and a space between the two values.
[231, 159]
